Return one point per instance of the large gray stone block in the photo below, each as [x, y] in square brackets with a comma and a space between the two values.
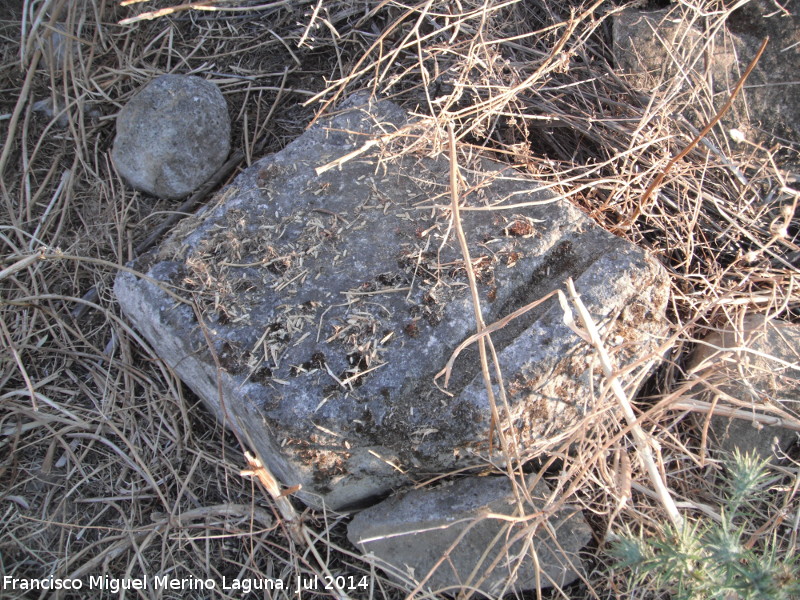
[455, 536]
[329, 302]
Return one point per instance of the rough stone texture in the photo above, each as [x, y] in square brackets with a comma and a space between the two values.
[413, 531]
[172, 136]
[331, 302]
[760, 368]
[668, 42]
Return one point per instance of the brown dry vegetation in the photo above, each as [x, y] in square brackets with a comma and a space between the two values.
[109, 465]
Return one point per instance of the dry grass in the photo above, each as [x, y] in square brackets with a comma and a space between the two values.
[111, 467]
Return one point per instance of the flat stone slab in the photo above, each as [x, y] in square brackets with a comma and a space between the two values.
[756, 370]
[328, 303]
[448, 536]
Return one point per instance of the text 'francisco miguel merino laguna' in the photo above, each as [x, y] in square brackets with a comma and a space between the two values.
[167, 582]
[115, 585]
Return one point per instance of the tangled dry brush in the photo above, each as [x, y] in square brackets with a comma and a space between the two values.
[108, 464]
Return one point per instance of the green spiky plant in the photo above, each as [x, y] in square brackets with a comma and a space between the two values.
[715, 559]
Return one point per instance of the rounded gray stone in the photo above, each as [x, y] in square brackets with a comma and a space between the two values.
[172, 136]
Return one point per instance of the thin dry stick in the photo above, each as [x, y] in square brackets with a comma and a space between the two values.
[641, 439]
[23, 263]
[155, 14]
[473, 287]
[499, 324]
[257, 469]
[12, 125]
[9, 339]
[736, 413]
[660, 177]
[510, 450]
[382, 140]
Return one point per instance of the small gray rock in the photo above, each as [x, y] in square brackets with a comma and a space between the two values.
[412, 532]
[752, 366]
[172, 136]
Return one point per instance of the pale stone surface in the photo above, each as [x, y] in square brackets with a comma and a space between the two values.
[331, 301]
[654, 46]
[412, 532]
[172, 136]
[756, 368]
